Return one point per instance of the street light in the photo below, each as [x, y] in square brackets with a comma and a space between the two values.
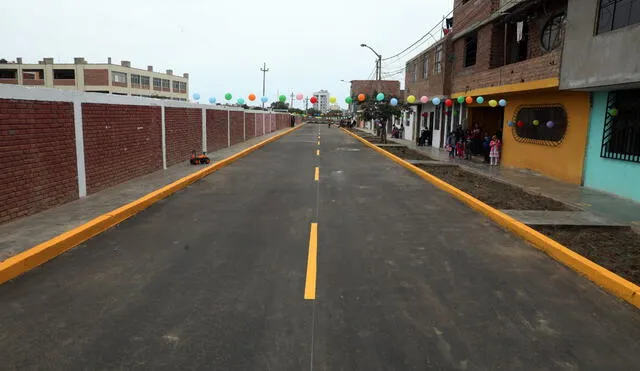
[378, 61]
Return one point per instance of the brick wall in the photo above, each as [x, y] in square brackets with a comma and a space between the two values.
[260, 124]
[216, 130]
[183, 128]
[64, 82]
[368, 87]
[121, 143]
[435, 84]
[489, 70]
[96, 77]
[251, 125]
[37, 157]
[237, 127]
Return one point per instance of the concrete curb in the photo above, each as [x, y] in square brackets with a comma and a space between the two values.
[601, 276]
[40, 254]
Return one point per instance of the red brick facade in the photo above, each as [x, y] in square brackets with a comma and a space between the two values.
[435, 84]
[97, 77]
[183, 129]
[489, 69]
[37, 157]
[120, 144]
[64, 82]
[216, 130]
[369, 87]
[237, 127]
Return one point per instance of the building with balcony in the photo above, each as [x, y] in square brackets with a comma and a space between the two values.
[429, 75]
[511, 50]
[96, 77]
[600, 55]
[322, 104]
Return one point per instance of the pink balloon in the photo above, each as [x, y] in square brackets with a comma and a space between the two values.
[299, 96]
[424, 99]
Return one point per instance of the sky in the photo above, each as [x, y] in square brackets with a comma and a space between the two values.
[307, 45]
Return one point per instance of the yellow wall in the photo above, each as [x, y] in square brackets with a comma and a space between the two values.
[563, 162]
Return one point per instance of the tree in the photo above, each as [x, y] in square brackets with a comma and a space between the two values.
[296, 110]
[279, 105]
[313, 112]
[373, 110]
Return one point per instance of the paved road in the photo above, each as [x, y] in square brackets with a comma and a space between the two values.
[408, 278]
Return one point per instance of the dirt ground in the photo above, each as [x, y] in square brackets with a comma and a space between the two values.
[407, 154]
[494, 193]
[617, 249]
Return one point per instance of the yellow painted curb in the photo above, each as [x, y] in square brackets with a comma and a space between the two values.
[40, 254]
[603, 277]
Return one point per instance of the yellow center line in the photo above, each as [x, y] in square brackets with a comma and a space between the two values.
[317, 176]
[310, 284]
[317, 152]
[318, 142]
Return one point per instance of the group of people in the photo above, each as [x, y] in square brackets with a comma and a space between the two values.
[464, 144]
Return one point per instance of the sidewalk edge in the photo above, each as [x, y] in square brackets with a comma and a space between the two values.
[41, 253]
[601, 276]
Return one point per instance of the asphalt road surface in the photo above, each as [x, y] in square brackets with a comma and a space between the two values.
[227, 275]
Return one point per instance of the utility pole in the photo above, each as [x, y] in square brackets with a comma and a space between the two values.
[264, 70]
[306, 104]
[292, 95]
[379, 67]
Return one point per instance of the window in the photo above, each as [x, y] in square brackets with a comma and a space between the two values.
[470, 49]
[621, 136]
[119, 77]
[176, 86]
[8, 74]
[553, 33]
[64, 74]
[157, 83]
[425, 67]
[614, 14]
[144, 81]
[183, 86]
[517, 42]
[166, 84]
[545, 125]
[438, 60]
[135, 79]
[414, 73]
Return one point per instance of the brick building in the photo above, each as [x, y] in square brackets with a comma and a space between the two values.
[511, 50]
[429, 75]
[96, 77]
[371, 87]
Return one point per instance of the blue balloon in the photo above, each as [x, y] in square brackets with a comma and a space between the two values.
[435, 101]
[393, 102]
[196, 96]
[510, 124]
[502, 102]
[212, 100]
[479, 100]
[264, 99]
[240, 101]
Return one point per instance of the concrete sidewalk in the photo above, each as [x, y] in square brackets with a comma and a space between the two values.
[609, 206]
[22, 234]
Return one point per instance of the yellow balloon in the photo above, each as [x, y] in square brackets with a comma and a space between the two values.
[332, 99]
[411, 99]
[493, 103]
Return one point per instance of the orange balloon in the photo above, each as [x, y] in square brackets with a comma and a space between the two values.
[361, 97]
[252, 97]
[469, 100]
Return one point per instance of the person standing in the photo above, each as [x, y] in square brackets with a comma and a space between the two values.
[494, 154]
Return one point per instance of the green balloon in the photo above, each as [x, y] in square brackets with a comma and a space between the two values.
[348, 100]
[460, 99]
[228, 96]
[282, 98]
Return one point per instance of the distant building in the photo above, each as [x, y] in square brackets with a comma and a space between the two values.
[323, 101]
[96, 77]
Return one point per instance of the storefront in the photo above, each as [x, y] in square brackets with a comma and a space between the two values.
[612, 162]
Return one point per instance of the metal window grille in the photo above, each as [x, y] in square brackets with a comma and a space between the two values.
[534, 127]
[621, 134]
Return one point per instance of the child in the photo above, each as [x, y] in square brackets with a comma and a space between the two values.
[467, 145]
[451, 145]
[495, 150]
[460, 149]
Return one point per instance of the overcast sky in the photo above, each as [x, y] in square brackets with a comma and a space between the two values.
[307, 45]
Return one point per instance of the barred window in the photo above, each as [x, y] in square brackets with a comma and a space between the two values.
[176, 86]
[544, 125]
[157, 83]
[166, 84]
[621, 136]
[144, 81]
[614, 14]
[135, 79]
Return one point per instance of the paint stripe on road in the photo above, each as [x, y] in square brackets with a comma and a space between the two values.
[317, 152]
[310, 284]
[317, 175]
